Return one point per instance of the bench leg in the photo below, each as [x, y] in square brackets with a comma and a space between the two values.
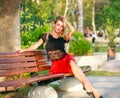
[42, 92]
[70, 84]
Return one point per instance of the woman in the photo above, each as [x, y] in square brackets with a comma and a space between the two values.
[62, 62]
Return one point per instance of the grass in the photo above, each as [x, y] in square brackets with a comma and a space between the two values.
[20, 93]
[102, 73]
[103, 48]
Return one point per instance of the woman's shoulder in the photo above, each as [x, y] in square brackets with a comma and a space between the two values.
[44, 36]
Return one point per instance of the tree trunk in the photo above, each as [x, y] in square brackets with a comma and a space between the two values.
[111, 52]
[80, 16]
[93, 17]
[57, 8]
[66, 8]
[9, 25]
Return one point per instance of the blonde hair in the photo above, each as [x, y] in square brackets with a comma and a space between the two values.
[61, 18]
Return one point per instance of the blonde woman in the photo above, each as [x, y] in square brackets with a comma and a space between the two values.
[62, 62]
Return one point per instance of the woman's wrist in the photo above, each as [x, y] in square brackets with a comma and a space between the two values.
[70, 26]
[20, 51]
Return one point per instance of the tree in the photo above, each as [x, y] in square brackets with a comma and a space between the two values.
[66, 8]
[87, 13]
[80, 15]
[9, 25]
[112, 22]
[93, 17]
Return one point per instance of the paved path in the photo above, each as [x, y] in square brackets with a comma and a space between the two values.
[109, 87]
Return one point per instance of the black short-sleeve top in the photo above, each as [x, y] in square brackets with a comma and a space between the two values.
[54, 43]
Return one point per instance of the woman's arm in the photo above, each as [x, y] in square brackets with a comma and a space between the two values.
[72, 30]
[33, 47]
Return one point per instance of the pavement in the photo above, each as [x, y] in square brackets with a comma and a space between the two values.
[96, 60]
[109, 87]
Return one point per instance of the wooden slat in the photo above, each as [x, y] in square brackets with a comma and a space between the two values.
[20, 82]
[41, 57]
[13, 66]
[10, 66]
[22, 59]
[23, 81]
[19, 71]
[41, 68]
[16, 60]
[28, 53]
[40, 63]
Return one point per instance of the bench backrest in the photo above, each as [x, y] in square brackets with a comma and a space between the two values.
[13, 63]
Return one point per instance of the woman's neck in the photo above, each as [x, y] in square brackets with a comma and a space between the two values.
[55, 35]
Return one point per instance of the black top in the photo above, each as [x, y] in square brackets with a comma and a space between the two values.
[54, 43]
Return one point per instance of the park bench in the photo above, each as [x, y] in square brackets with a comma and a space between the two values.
[14, 66]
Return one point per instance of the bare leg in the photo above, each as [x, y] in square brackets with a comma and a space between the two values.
[78, 73]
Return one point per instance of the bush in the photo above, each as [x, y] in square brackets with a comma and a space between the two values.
[31, 37]
[79, 45]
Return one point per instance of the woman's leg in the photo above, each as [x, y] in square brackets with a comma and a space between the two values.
[78, 73]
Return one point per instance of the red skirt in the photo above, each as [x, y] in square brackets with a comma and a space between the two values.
[62, 65]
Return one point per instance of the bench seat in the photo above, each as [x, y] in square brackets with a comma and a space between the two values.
[13, 66]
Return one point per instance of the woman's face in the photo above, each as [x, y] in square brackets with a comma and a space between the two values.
[58, 26]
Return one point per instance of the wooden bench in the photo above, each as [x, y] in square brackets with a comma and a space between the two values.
[14, 66]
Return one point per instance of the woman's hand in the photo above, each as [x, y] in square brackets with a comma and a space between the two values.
[20, 51]
[72, 29]
[67, 37]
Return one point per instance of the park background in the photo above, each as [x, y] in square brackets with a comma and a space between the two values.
[23, 21]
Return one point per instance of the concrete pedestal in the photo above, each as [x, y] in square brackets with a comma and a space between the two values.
[42, 92]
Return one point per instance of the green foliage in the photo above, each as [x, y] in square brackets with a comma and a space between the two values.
[96, 47]
[30, 37]
[108, 10]
[34, 14]
[87, 12]
[27, 23]
[110, 31]
[79, 45]
[99, 14]
[112, 19]
[111, 12]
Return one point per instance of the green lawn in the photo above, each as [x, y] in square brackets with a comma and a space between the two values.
[102, 73]
[101, 48]
[20, 93]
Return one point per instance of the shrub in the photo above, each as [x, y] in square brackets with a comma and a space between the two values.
[79, 45]
[30, 37]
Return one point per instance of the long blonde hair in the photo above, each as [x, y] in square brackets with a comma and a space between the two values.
[61, 18]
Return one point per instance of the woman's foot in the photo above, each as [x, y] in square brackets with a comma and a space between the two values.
[100, 97]
[96, 94]
[93, 92]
